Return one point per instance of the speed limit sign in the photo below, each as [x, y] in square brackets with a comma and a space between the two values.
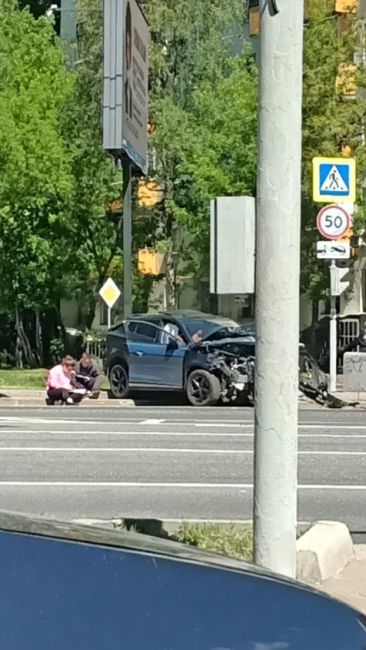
[333, 222]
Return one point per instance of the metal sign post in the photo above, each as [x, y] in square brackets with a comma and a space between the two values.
[333, 222]
[127, 240]
[333, 335]
[125, 107]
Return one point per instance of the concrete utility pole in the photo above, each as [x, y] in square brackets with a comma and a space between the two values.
[127, 239]
[277, 285]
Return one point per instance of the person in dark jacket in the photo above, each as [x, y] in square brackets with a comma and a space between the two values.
[87, 376]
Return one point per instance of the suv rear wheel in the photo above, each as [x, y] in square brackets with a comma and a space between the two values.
[118, 380]
[203, 388]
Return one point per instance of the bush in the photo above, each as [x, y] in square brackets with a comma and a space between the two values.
[230, 540]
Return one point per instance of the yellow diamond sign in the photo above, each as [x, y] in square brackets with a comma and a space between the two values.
[109, 293]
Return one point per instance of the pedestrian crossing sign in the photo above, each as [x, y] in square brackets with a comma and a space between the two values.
[334, 180]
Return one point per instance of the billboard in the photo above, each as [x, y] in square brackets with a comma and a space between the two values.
[232, 245]
[125, 93]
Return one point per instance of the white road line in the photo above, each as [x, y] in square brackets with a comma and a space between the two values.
[169, 450]
[149, 422]
[137, 420]
[164, 434]
[197, 423]
[132, 484]
[325, 426]
[167, 434]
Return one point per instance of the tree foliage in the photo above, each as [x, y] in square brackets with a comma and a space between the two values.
[96, 183]
[203, 106]
[332, 122]
[56, 179]
[36, 182]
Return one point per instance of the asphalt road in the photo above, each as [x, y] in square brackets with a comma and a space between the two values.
[171, 463]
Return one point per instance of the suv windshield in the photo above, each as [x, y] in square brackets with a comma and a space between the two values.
[248, 330]
[213, 329]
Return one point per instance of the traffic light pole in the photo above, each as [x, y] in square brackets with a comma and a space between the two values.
[332, 336]
[277, 285]
[127, 239]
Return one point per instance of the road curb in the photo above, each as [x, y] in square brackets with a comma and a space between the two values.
[323, 551]
[24, 402]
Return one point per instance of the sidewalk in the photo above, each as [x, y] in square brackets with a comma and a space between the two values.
[37, 398]
[350, 585]
[352, 397]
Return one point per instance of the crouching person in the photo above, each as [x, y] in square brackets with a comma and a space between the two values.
[60, 386]
[87, 376]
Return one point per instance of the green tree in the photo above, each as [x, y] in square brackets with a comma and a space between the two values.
[36, 181]
[217, 153]
[95, 241]
[331, 120]
[203, 106]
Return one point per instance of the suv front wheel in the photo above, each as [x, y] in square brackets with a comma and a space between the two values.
[118, 380]
[203, 388]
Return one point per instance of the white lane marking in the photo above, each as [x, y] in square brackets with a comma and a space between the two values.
[326, 426]
[149, 422]
[170, 450]
[166, 422]
[347, 427]
[45, 420]
[132, 484]
[166, 434]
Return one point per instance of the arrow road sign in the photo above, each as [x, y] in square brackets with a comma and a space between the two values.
[334, 179]
[333, 222]
[330, 250]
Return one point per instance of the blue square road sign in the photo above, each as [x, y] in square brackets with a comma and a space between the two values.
[334, 180]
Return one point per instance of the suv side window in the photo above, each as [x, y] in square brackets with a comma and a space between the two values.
[172, 332]
[139, 332]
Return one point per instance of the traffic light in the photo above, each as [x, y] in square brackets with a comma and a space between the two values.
[337, 284]
[352, 239]
[254, 18]
[346, 6]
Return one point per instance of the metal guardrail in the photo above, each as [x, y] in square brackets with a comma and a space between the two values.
[348, 330]
[96, 346]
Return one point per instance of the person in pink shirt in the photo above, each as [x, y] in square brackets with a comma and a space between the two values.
[60, 383]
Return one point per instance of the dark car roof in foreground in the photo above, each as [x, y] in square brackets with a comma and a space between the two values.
[107, 585]
[26, 524]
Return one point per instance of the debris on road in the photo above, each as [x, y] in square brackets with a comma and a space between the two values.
[321, 396]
